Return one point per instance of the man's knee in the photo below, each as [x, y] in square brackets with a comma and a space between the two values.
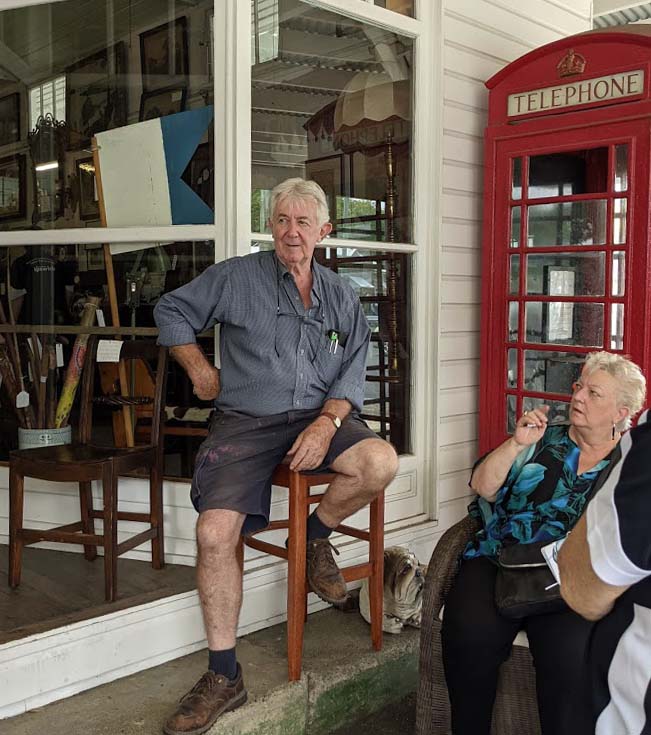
[377, 464]
[218, 532]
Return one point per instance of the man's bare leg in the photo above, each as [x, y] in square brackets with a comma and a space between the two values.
[219, 575]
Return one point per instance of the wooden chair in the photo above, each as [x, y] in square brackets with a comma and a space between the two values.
[300, 500]
[516, 707]
[83, 462]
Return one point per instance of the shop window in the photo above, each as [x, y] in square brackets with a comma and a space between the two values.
[46, 296]
[129, 65]
[405, 7]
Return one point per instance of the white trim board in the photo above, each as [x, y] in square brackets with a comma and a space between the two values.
[50, 666]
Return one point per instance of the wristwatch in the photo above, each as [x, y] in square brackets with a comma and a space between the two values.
[333, 416]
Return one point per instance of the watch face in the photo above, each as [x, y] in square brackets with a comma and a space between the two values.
[337, 421]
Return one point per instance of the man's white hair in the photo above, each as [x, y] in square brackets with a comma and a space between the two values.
[631, 383]
[300, 190]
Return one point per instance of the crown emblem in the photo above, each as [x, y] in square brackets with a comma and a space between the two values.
[572, 63]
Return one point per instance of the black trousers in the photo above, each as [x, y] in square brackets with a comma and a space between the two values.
[476, 640]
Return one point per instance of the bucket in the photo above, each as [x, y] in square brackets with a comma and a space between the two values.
[32, 438]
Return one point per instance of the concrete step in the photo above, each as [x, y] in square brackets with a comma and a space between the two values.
[343, 681]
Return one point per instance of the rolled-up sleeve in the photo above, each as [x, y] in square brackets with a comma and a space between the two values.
[181, 314]
[349, 384]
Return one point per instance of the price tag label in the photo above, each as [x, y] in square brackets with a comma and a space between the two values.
[22, 399]
[59, 351]
[100, 318]
[108, 350]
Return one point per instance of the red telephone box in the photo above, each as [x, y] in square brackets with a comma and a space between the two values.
[566, 220]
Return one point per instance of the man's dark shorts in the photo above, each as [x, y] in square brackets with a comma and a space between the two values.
[235, 463]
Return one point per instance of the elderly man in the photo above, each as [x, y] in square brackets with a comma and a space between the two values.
[293, 346]
[605, 568]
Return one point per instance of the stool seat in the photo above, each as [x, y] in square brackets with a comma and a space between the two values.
[298, 485]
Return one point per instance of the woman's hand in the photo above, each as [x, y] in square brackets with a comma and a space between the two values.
[531, 426]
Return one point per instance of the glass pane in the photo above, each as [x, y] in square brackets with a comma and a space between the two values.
[514, 274]
[564, 174]
[511, 403]
[571, 274]
[48, 289]
[567, 223]
[330, 104]
[113, 69]
[618, 273]
[617, 326]
[515, 227]
[404, 7]
[621, 167]
[619, 221]
[560, 322]
[512, 372]
[551, 372]
[516, 186]
[559, 411]
[513, 321]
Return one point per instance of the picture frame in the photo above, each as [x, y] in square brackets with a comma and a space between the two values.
[95, 258]
[96, 95]
[164, 59]
[87, 183]
[328, 172]
[162, 102]
[12, 188]
[10, 118]
[200, 174]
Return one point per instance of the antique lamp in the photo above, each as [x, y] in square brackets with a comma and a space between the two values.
[47, 144]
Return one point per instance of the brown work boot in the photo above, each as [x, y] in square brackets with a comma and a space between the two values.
[209, 698]
[323, 573]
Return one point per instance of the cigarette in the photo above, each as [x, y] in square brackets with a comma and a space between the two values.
[531, 426]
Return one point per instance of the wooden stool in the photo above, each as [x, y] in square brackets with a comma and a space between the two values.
[300, 501]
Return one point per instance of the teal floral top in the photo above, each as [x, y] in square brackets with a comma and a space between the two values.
[541, 499]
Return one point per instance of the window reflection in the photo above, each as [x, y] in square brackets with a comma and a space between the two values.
[567, 223]
[551, 372]
[621, 168]
[618, 273]
[617, 326]
[331, 101]
[568, 274]
[559, 411]
[562, 322]
[564, 174]
[405, 7]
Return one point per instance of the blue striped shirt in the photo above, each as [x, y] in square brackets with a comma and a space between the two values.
[276, 355]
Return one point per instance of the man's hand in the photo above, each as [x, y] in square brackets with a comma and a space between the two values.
[206, 383]
[311, 445]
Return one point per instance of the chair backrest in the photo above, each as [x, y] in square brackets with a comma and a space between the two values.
[137, 380]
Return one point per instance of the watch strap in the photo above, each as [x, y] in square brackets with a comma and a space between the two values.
[333, 417]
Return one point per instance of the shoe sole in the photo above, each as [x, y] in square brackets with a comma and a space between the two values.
[230, 705]
[329, 600]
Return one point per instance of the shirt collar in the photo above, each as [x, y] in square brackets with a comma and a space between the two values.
[317, 283]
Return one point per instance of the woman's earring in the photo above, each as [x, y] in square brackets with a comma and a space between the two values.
[613, 435]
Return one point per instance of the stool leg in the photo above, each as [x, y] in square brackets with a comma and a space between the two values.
[156, 516]
[296, 575]
[16, 501]
[110, 493]
[87, 523]
[376, 556]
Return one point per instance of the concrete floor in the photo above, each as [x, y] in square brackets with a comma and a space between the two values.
[337, 649]
[396, 719]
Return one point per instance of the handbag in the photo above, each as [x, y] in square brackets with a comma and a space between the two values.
[524, 584]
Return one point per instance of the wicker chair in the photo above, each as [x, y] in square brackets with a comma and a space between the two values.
[516, 709]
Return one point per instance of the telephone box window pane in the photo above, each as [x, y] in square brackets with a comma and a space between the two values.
[618, 273]
[514, 274]
[617, 326]
[551, 372]
[561, 322]
[510, 414]
[621, 168]
[619, 221]
[564, 174]
[567, 223]
[515, 227]
[513, 320]
[512, 371]
[559, 411]
[568, 274]
[516, 186]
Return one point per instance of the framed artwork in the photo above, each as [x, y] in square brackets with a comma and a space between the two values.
[328, 172]
[162, 102]
[94, 258]
[10, 118]
[199, 175]
[96, 97]
[88, 199]
[12, 188]
[164, 55]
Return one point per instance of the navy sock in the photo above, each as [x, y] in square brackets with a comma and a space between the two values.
[223, 662]
[316, 528]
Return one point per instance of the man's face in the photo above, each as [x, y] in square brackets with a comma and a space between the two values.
[296, 230]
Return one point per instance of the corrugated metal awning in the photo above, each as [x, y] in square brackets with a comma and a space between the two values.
[634, 14]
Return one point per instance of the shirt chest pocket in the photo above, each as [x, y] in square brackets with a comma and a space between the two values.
[327, 360]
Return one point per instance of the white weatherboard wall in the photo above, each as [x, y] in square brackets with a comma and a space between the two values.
[479, 38]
